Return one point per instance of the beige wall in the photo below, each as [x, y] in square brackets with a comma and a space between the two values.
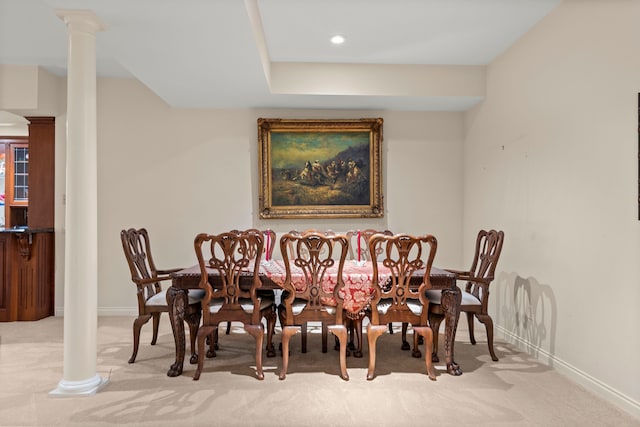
[551, 158]
[180, 172]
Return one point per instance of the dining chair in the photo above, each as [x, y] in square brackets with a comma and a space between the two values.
[307, 299]
[228, 298]
[393, 299]
[475, 296]
[152, 299]
[270, 316]
[354, 323]
[269, 242]
[281, 313]
[365, 235]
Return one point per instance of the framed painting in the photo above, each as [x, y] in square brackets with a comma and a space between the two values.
[320, 168]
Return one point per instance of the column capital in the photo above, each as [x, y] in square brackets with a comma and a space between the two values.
[81, 20]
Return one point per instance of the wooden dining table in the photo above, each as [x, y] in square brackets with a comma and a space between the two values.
[357, 293]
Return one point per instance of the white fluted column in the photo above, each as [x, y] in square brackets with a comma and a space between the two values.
[81, 215]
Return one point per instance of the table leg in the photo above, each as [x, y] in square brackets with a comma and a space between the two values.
[177, 302]
[451, 299]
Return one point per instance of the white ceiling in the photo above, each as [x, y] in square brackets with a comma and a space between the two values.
[212, 54]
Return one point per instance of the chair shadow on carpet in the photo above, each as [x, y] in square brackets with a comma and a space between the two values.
[236, 357]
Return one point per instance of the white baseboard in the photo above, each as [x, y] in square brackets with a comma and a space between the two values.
[111, 311]
[118, 311]
[601, 389]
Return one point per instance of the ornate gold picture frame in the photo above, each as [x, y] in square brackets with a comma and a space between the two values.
[320, 168]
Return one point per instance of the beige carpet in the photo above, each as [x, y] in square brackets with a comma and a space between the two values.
[516, 391]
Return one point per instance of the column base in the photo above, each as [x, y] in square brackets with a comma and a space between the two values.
[79, 388]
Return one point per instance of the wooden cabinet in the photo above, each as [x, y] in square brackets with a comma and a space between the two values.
[41, 172]
[27, 240]
[8, 305]
[26, 275]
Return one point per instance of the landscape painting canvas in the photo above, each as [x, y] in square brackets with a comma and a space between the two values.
[316, 168]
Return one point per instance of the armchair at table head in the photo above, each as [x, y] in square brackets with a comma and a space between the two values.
[152, 300]
[306, 298]
[475, 296]
[393, 299]
[228, 296]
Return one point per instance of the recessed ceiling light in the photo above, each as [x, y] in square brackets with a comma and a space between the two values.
[337, 39]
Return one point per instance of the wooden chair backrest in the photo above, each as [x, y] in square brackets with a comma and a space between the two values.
[485, 260]
[365, 235]
[307, 231]
[269, 241]
[403, 254]
[313, 252]
[137, 251]
[233, 256]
